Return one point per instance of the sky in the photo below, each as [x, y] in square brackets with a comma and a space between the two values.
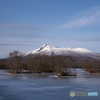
[26, 25]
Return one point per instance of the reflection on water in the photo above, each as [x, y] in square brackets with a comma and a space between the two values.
[47, 86]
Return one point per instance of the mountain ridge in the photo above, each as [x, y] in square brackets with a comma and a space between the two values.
[55, 50]
[78, 54]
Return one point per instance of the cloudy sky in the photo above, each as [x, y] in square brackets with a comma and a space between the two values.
[26, 25]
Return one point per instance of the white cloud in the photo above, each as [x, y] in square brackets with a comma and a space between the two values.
[84, 18]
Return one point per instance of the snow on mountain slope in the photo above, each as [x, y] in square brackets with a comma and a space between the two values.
[39, 50]
[49, 50]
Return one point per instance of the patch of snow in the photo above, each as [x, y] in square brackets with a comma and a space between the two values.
[49, 50]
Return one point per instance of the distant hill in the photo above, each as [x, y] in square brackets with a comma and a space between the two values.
[78, 54]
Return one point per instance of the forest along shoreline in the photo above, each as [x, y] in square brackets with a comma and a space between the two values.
[59, 64]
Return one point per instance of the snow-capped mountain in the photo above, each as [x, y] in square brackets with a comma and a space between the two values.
[76, 53]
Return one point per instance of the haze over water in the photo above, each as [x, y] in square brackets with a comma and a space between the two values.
[47, 86]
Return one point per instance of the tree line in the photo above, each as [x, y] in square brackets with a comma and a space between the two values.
[91, 66]
[2, 64]
[39, 64]
[43, 63]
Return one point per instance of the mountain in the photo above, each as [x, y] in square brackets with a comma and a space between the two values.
[78, 54]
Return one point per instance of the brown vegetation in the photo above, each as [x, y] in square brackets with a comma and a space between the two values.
[91, 66]
[14, 64]
[44, 63]
[40, 63]
[2, 64]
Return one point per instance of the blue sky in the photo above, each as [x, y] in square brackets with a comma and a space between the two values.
[26, 25]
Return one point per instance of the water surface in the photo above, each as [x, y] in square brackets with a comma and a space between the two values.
[47, 86]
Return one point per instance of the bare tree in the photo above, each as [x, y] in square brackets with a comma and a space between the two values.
[14, 64]
[91, 66]
[62, 64]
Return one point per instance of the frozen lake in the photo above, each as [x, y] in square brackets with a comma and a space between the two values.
[47, 86]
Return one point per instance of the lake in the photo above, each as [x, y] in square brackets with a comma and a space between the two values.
[47, 86]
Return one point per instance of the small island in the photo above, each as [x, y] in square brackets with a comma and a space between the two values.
[59, 64]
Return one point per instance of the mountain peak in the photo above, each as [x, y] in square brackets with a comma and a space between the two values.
[45, 49]
[44, 45]
[41, 48]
